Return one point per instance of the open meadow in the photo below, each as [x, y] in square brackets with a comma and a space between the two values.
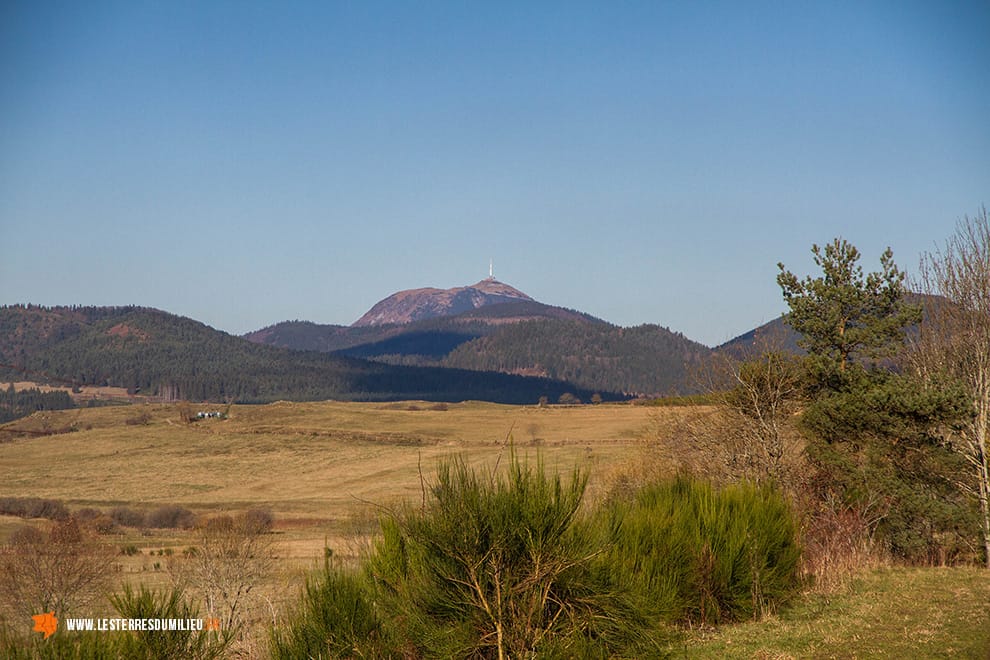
[321, 468]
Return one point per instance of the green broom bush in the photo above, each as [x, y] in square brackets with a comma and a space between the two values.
[508, 564]
[699, 555]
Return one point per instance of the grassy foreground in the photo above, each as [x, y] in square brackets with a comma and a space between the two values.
[890, 613]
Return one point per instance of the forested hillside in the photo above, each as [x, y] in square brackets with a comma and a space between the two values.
[305, 335]
[646, 359]
[158, 354]
[522, 338]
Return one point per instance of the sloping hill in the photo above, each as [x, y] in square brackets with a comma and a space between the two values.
[309, 336]
[775, 334]
[642, 360]
[419, 304]
[778, 334]
[519, 338]
[160, 354]
[511, 336]
[436, 336]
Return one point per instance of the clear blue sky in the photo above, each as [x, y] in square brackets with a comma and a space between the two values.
[244, 163]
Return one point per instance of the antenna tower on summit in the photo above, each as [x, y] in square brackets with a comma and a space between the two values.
[491, 269]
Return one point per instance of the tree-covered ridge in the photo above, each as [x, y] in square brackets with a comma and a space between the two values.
[159, 354]
[309, 336]
[646, 359]
[525, 338]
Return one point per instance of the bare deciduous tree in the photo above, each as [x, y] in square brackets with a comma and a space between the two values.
[232, 556]
[65, 570]
[758, 396]
[954, 341]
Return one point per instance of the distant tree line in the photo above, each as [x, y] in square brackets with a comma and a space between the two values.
[20, 403]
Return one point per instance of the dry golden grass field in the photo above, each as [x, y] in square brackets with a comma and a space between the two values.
[322, 468]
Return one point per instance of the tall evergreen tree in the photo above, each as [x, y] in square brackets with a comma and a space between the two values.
[843, 315]
[875, 433]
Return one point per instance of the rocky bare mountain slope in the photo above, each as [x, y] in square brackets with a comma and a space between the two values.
[420, 304]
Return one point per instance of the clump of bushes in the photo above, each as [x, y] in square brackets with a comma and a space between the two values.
[33, 507]
[141, 419]
[127, 517]
[170, 516]
[508, 564]
[259, 521]
[96, 520]
[167, 516]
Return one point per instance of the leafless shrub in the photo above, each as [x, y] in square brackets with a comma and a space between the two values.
[171, 516]
[64, 570]
[33, 507]
[259, 521]
[96, 520]
[838, 544]
[953, 345]
[230, 558]
[757, 398]
[127, 517]
[141, 419]
[87, 514]
[186, 414]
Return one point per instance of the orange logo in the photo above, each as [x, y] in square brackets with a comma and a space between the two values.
[213, 624]
[45, 623]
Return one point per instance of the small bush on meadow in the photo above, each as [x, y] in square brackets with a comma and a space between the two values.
[141, 419]
[171, 516]
[127, 517]
[259, 521]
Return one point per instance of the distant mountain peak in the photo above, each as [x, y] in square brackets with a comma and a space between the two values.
[419, 304]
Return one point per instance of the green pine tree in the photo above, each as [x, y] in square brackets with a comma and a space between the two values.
[844, 315]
